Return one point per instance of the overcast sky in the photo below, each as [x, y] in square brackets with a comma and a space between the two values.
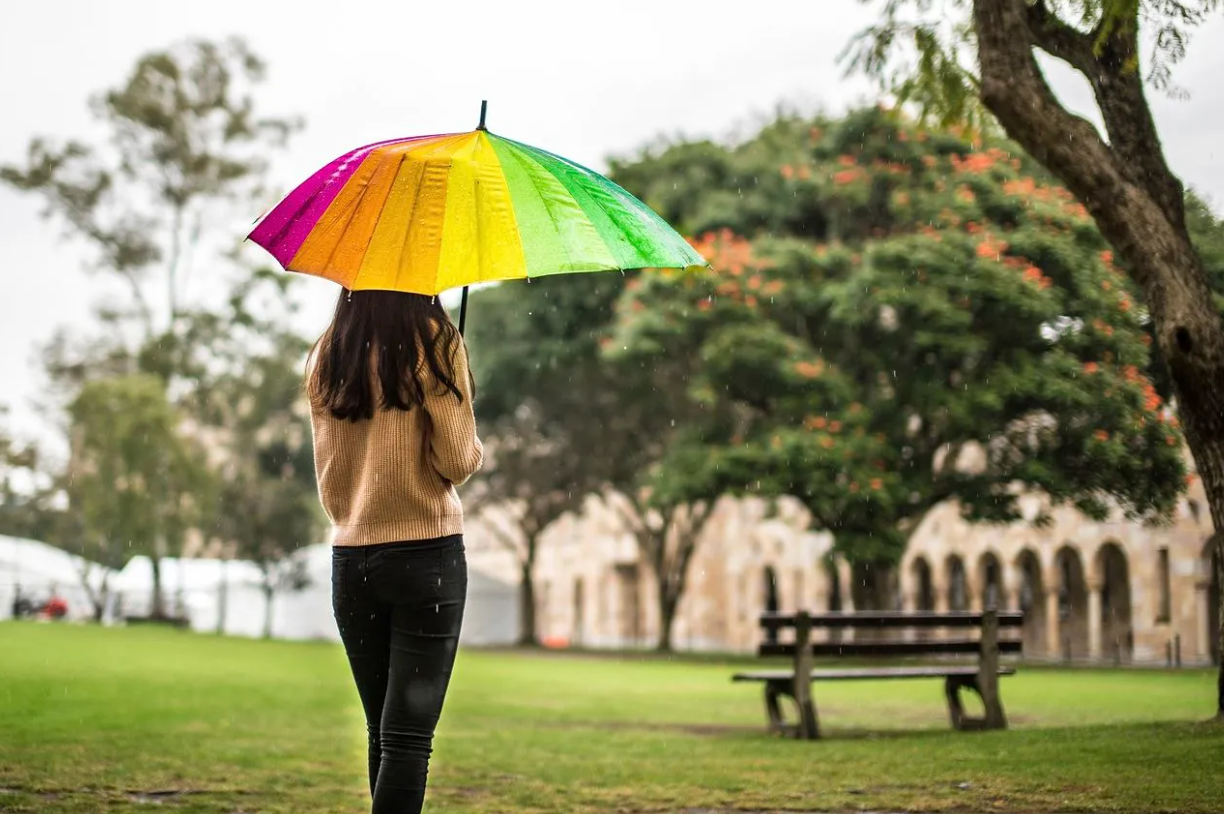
[586, 80]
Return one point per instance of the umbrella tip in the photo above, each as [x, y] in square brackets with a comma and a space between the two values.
[484, 108]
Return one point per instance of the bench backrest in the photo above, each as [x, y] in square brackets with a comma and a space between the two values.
[959, 623]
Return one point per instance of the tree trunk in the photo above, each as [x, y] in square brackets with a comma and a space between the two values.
[1128, 189]
[222, 597]
[669, 601]
[97, 599]
[103, 598]
[527, 603]
[269, 591]
[157, 609]
[1219, 575]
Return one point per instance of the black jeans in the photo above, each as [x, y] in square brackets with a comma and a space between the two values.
[399, 607]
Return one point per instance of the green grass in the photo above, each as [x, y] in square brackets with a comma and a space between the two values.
[102, 720]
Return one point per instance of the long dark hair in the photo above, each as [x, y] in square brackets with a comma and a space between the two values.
[399, 335]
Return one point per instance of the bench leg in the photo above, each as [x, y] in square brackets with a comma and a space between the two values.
[993, 718]
[809, 727]
[773, 692]
[805, 727]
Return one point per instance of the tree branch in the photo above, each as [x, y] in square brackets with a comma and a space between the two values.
[1060, 40]
[1015, 90]
[1109, 60]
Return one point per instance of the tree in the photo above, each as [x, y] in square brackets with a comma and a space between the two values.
[541, 399]
[268, 504]
[563, 423]
[529, 479]
[965, 336]
[184, 142]
[1121, 177]
[27, 504]
[652, 416]
[137, 482]
[249, 402]
[184, 139]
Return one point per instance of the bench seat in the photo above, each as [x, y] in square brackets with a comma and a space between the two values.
[856, 674]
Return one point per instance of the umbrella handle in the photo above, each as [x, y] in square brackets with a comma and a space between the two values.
[463, 310]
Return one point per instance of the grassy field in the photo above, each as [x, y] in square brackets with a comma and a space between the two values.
[118, 720]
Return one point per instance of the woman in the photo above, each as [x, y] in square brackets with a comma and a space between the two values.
[394, 433]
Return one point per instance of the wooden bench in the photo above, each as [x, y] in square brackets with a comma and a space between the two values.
[947, 634]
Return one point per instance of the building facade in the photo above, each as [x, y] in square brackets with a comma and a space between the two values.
[1114, 591]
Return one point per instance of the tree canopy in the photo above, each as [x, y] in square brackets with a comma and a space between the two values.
[897, 317]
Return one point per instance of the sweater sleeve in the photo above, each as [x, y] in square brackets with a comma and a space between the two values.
[454, 448]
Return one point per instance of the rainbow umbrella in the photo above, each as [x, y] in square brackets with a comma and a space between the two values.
[432, 213]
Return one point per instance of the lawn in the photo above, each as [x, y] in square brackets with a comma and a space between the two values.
[118, 720]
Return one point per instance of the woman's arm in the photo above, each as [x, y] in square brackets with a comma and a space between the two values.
[455, 450]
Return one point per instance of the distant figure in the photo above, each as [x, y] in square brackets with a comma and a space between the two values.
[22, 606]
[394, 433]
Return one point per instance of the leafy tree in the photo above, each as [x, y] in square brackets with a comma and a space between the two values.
[248, 401]
[541, 397]
[529, 479]
[562, 423]
[136, 480]
[268, 505]
[27, 507]
[184, 141]
[965, 336]
[1121, 177]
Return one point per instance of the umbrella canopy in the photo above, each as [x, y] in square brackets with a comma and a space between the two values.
[431, 213]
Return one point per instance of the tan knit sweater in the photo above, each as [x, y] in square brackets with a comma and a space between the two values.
[392, 478]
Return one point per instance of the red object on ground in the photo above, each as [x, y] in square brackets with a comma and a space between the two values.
[56, 608]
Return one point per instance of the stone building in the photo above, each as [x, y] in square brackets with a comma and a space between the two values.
[1110, 591]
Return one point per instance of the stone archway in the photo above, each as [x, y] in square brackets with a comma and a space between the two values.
[958, 584]
[1117, 640]
[771, 589]
[833, 574]
[769, 596]
[835, 597]
[1032, 602]
[1073, 633]
[629, 605]
[990, 580]
[923, 585]
[1210, 602]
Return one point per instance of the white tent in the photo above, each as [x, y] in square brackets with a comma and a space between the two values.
[492, 613]
[491, 616]
[198, 589]
[36, 570]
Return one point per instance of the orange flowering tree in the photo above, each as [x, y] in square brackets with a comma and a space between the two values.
[896, 317]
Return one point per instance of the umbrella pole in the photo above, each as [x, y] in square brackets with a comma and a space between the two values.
[484, 109]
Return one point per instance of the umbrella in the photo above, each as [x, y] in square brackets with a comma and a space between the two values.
[431, 213]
